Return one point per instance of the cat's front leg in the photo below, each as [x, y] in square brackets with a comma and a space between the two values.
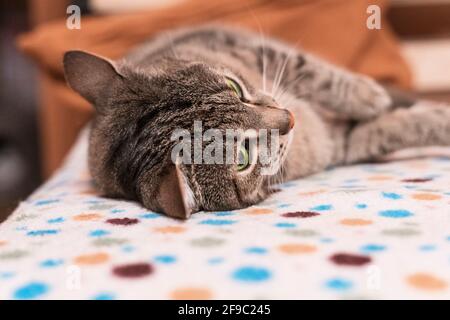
[349, 95]
[424, 124]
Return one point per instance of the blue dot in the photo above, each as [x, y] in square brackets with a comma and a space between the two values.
[284, 205]
[326, 240]
[285, 225]
[224, 213]
[251, 274]
[395, 213]
[104, 296]
[6, 275]
[42, 232]
[166, 259]
[44, 202]
[287, 184]
[98, 233]
[56, 220]
[256, 250]
[150, 215]
[117, 210]
[322, 207]
[353, 186]
[128, 248]
[217, 222]
[339, 284]
[361, 206]
[50, 263]
[95, 201]
[373, 248]
[32, 290]
[215, 260]
[427, 247]
[391, 195]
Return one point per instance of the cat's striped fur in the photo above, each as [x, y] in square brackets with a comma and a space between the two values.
[179, 77]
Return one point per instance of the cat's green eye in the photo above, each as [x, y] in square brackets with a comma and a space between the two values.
[235, 87]
[243, 158]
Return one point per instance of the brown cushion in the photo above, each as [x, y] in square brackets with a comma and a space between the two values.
[333, 29]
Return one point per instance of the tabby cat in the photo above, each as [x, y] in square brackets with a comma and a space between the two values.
[229, 78]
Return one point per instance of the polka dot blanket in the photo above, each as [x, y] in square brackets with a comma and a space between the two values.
[370, 231]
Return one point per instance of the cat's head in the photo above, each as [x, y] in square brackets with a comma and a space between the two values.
[139, 113]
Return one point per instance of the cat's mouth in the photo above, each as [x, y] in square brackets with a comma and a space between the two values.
[285, 146]
[277, 165]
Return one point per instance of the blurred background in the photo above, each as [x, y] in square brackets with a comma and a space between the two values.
[40, 117]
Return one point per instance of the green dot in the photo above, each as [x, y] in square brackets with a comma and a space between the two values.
[207, 242]
[302, 233]
[106, 242]
[11, 255]
[400, 232]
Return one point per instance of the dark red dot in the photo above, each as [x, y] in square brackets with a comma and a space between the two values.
[135, 270]
[300, 214]
[274, 190]
[347, 259]
[123, 221]
[417, 180]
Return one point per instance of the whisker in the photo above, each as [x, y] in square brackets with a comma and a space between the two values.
[286, 59]
[292, 83]
[291, 51]
[262, 40]
[263, 46]
[277, 71]
[172, 45]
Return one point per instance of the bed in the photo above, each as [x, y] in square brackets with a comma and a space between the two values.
[370, 231]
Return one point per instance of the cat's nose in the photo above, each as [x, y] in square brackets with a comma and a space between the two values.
[278, 118]
[291, 119]
[288, 122]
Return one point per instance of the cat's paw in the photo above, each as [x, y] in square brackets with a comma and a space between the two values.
[369, 99]
[356, 153]
[359, 147]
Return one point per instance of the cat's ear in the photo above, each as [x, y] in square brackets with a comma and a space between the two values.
[174, 196]
[89, 75]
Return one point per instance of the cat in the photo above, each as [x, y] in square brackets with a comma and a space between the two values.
[228, 77]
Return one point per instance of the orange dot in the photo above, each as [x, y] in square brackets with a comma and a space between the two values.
[85, 174]
[418, 165]
[170, 229]
[379, 178]
[87, 217]
[89, 192]
[296, 248]
[355, 222]
[191, 294]
[426, 281]
[257, 211]
[95, 258]
[2, 242]
[426, 196]
[311, 193]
